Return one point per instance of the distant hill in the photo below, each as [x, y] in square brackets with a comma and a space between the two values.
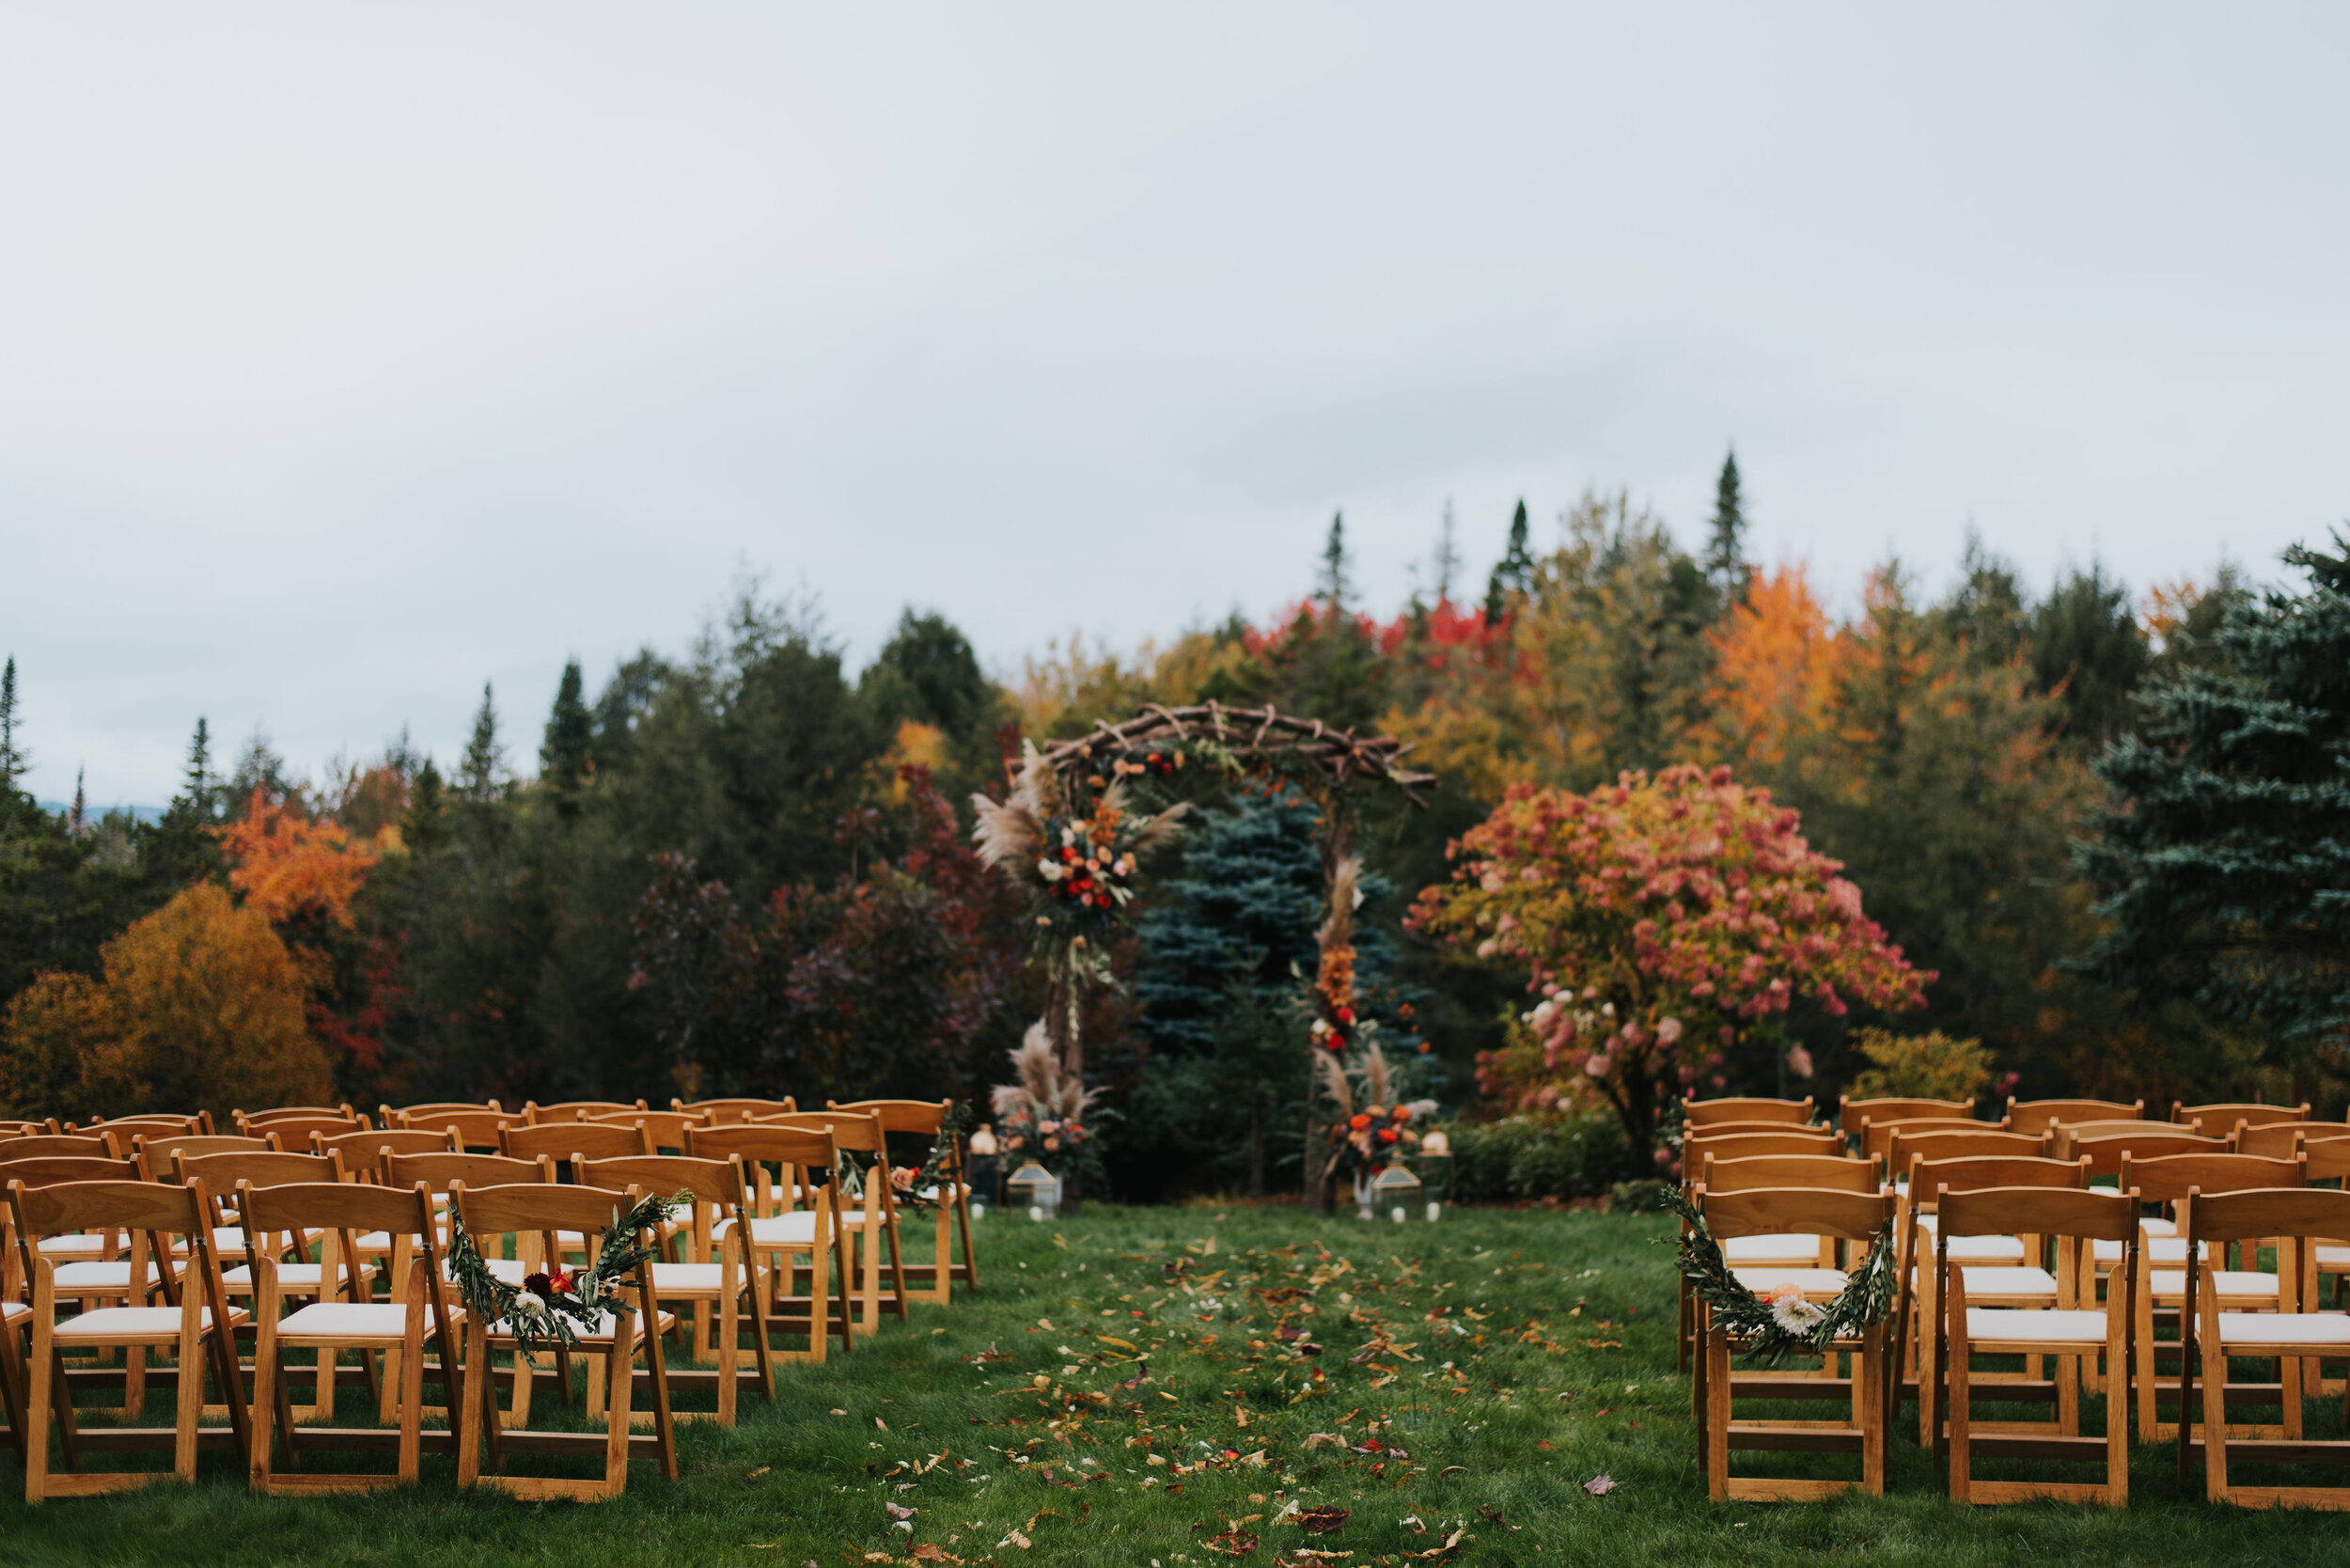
[136, 813]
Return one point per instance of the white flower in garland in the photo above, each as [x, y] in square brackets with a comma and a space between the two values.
[528, 1304]
[1792, 1312]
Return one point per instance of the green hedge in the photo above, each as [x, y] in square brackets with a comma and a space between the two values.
[1535, 1157]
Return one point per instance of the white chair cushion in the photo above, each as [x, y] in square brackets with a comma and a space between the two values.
[2239, 1284]
[73, 1246]
[2159, 1249]
[1792, 1249]
[690, 1279]
[2333, 1259]
[345, 1320]
[958, 1189]
[1974, 1249]
[291, 1276]
[12, 1314]
[2009, 1281]
[2286, 1328]
[78, 1277]
[797, 1229]
[132, 1323]
[1813, 1281]
[506, 1271]
[2158, 1227]
[2038, 1326]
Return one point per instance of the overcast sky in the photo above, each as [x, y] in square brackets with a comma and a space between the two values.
[351, 355]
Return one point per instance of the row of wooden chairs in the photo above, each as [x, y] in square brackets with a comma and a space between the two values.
[744, 1247]
[2003, 1253]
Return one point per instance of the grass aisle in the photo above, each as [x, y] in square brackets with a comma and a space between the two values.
[1195, 1386]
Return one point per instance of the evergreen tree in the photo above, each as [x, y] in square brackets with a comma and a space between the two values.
[485, 759]
[13, 758]
[564, 756]
[2085, 639]
[1336, 586]
[1514, 574]
[197, 775]
[1726, 562]
[77, 815]
[2226, 861]
[259, 768]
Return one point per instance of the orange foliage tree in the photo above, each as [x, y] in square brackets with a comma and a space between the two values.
[201, 1009]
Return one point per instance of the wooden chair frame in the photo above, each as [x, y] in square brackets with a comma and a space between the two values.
[537, 1115]
[950, 1205]
[1851, 1216]
[1699, 1113]
[93, 1269]
[716, 1113]
[2224, 1114]
[564, 1140]
[2040, 1116]
[717, 1276]
[805, 1162]
[1786, 1249]
[1921, 1335]
[636, 1329]
[2171, 1179]
[661, 1129]
[2071, 1217]
[195, 1325]
[418, 1313]
[1851, 1113]
[441, 1173]
[2294, 1217]
[2283, 1139]
[871, 1224]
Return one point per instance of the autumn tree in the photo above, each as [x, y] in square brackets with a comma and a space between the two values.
[1659, 918]
[200, 1008]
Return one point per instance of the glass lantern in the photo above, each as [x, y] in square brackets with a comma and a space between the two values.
[1398, 1187]
[1036, 1187]
[1438, 1147]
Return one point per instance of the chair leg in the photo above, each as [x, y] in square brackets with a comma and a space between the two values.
[2116, 1403]
[409, 1357]
[620, 1369]
[728, 1348]
[1961, 1482]
[1715, 1349]
[2214, 1418]
[1870, 1372]
[190, 1410]
[266, 1388]
[40, 1391]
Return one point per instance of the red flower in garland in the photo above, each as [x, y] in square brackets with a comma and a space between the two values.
[1359, 1122]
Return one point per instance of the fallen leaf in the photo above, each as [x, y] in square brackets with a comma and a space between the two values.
[1327, 1520]
[761, 1472]
[1114, 1340]
[898, 1511]
[928, 1553]
[1015, 1539]
[840, 1412]
[1600, 1485]
[1232, 1542]
[1323, 1440]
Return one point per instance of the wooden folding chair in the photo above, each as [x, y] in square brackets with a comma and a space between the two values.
[124, 1127]
[872, 1221]
[410, 1116]
[237, 1249]
[418, 1311]
[475, 1129]
[2074, 1327]
[2222, 1116]
[1851, 1113]
[2326, 1257]
[193, 1325]
[716, 1278]
[1699, 1113]
[2277, 1140]
[664, 1132]
[299, 1113]
[2040, 1116]
[2002, 1270]
[36, 1146]
[1762, 1259]
[949, 1198]
[2166, 1264]
[714, 1113]
[779, 1228]
[563, 1140]
[1907, 1142]
[2294, 1219]
[1854, 1217]
[440, 1175]
[577, 1110]
[617, 1342]
[1745, 1145]
[103, 1246]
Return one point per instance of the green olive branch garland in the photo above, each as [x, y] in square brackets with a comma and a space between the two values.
[542, 1310]
[1772, 1330]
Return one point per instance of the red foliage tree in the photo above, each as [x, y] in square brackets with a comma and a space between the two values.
[1659, 918]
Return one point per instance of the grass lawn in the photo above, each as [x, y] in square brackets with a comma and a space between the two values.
[1498, 1361]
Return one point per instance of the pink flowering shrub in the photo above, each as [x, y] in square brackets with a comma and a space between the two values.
[1659, 918]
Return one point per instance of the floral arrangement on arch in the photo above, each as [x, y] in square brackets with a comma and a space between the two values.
[1370, 1129]
[1047, 1116]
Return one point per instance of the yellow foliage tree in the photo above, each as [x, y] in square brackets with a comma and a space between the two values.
[201, 1009]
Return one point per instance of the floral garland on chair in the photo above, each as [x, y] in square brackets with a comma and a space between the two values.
[1783, 1323]
[542, 1310]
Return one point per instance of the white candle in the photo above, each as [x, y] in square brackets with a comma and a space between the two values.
[1036, 1213]
[1399, 1213]
[1435, 1212]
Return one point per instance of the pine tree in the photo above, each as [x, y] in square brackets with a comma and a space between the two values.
[1725, 551]
[1336, 584]
[563, 756]
[2226, 858]
[2085, 637]
[198, 772]
[14, 759]
[477, 775]
[1514, 574]
[77, 815]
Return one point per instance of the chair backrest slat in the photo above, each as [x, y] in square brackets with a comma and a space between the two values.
[2258, 1214]
[2274, 1139]
[1828, 1173]
[1853, 1112]
[442, 1171]
[2091, 1213]
[2038, 1116]
[2223, 1116]
[2168, 1178]
[560, 1141]
[575, 1111]
[1702, 1113]
[1739, 1146]
[41, 1145]
[1778, 1211]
